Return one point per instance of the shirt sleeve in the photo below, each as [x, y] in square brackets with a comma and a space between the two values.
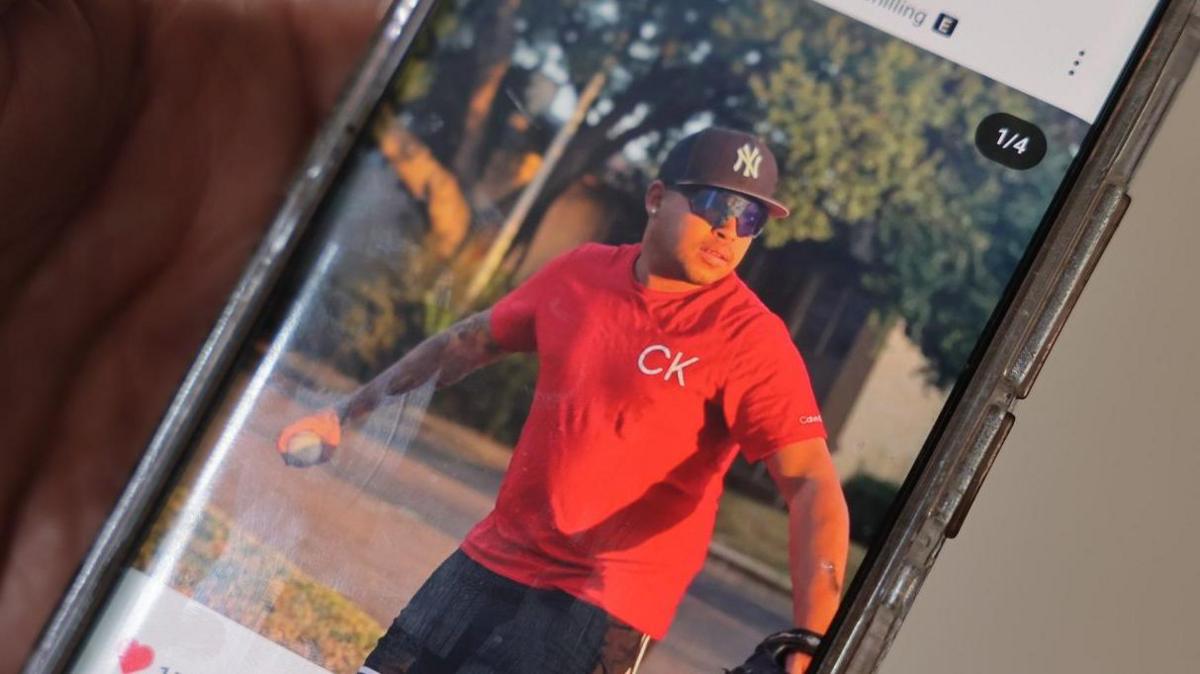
[513, 323]
[768, 401]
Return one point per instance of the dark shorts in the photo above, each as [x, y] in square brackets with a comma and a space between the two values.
[468, 620]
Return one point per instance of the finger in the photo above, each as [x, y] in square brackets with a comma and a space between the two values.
[330, 44]
[797, 663]
[148, 234]
[66, 85]
[224, 117]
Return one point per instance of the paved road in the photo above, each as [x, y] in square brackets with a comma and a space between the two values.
[374, 523]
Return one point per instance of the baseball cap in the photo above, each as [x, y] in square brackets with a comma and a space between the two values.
[726, 158]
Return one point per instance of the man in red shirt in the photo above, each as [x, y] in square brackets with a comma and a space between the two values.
[657, 366]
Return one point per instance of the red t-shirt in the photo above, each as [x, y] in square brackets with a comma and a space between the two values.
[642, 401]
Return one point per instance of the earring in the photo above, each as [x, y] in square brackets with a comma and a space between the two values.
[653, 211]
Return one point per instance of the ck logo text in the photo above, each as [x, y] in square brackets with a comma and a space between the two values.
[656, 359]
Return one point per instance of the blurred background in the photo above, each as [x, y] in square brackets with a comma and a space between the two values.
[1080, 554]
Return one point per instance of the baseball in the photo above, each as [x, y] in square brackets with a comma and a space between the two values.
[306, 449]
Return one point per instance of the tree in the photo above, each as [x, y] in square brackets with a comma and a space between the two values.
[876, 141]
[874, 136]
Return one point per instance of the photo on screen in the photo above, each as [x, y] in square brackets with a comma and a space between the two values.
[511, 169]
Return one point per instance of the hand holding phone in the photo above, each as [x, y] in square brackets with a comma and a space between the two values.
[126, 187]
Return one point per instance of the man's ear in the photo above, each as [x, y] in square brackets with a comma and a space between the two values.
[654, 196]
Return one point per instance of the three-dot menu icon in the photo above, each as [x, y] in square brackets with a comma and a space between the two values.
[1078, 61]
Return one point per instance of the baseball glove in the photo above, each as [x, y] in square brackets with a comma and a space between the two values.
[770, 656]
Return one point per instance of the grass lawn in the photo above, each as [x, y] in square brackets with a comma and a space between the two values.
[246, 581]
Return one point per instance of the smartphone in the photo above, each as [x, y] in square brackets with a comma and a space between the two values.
[613, 337]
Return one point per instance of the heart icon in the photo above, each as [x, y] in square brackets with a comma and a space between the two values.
[136, 657]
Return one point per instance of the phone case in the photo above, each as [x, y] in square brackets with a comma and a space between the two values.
[939, 495]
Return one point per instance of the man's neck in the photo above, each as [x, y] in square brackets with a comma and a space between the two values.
[651, 281]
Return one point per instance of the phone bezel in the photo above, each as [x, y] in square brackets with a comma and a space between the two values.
[1067, 246]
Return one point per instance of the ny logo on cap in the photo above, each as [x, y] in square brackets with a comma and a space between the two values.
[748, 159]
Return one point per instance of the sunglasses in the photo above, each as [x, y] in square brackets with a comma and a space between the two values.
[716, 206]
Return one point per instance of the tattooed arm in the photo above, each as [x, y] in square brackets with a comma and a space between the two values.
[445, 357]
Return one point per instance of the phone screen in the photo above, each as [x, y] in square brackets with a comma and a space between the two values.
[617, 336]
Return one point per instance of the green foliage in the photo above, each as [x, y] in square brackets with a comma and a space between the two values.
[494, 400]
[415, 81]
[375, 310]
[874, 138]
[876, 146]
[868, 500]
[376, 318]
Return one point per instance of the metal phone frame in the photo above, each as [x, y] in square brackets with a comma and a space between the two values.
[955, 465]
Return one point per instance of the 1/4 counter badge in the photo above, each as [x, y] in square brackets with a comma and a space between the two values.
[1010, 141]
